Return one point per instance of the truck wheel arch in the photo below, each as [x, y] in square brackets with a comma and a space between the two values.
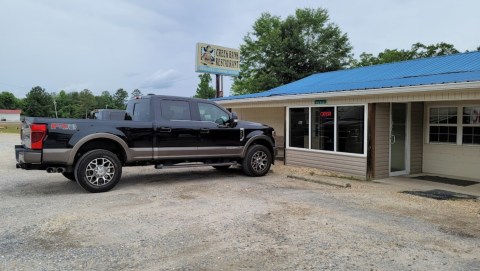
[259, 140]
[99, 136]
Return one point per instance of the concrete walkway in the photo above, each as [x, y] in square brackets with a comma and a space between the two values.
[408, 183]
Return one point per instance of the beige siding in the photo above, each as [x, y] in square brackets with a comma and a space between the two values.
[416, 138]
[274, 117]
[382, 141]
[350, 165]
[450, 159]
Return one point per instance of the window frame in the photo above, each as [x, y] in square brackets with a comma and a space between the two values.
[335, 151]
[473, 125]
[459, 125]
[442, 124]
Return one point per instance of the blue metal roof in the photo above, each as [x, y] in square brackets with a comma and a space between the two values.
[458, 68]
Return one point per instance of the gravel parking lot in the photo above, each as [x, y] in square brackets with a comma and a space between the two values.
[204, 219]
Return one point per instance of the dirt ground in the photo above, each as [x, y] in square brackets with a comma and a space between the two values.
[204, 219]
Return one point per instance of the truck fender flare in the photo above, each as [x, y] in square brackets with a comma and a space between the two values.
[81, 142]
[255, 138]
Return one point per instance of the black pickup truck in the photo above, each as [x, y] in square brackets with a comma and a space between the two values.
[163, 131]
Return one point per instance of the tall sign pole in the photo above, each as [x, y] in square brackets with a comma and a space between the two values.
[217, 60]
[219, 84]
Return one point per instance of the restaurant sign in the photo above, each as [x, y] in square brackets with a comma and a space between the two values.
[217, 60]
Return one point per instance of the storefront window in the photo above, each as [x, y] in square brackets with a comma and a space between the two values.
[332, 128]
[299, 127]
[323, 128]
[471, 125]
[443, 124]
[350, 129]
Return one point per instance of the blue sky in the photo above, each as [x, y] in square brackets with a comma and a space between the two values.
[150, 45]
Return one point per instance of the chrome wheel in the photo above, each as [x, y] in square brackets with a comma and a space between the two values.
[259, 161]
[100, 171]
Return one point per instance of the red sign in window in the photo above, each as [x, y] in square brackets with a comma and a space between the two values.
[325, 114]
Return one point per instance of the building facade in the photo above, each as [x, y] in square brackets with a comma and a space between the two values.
[420, 116]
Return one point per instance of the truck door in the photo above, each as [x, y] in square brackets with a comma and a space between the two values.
[216, 136]
[175, 131]
[139, 132]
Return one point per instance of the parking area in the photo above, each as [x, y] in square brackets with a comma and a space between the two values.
[204, 219]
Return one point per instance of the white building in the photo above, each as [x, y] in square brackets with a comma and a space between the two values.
[10, 115]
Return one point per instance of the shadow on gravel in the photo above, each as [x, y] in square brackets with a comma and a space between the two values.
[61, 186]
[183, 175]
[36, 187]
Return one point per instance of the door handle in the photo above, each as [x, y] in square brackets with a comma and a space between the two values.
[392, 139]
[204, 130]
[165, 129]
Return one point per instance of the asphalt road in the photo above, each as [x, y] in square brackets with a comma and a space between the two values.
[204, 219]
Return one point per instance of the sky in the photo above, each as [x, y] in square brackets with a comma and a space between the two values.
[150, 44]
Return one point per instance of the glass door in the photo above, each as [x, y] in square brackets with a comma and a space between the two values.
[398, 139]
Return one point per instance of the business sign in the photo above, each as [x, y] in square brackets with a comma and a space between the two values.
[216, 59]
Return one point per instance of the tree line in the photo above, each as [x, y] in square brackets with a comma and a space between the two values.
[76, 104]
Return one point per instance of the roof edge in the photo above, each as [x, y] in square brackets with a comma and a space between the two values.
[375, 91]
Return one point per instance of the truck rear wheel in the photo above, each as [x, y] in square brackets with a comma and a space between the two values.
[257, 161]
[98, 171]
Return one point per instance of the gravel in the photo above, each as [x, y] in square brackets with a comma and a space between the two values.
[204, 219]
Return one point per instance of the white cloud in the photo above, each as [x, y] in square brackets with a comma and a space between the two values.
[161, 79]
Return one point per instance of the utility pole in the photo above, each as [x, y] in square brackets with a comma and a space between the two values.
[55, 106]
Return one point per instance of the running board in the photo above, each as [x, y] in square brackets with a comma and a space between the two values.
[197, 164]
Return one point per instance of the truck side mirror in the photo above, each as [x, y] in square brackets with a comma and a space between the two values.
[233, 119]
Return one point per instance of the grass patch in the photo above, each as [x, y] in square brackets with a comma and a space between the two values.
[10, 127]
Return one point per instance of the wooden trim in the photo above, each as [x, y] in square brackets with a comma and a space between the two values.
[371, 142]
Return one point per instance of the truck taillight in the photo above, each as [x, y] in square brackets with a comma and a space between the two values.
[37, 134]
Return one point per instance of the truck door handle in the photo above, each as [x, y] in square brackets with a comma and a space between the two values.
[165, 129]
[204, 130]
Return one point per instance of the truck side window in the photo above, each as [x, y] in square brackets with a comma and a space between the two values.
[210, 112]
[176, 110]
[141, 110]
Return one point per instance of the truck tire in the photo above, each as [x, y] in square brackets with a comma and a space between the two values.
[257, 161]
[69, 175]
[98, 171]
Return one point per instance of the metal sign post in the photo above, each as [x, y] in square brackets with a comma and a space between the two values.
[219, 84]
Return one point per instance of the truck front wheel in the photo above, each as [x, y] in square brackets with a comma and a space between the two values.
[98, 171]
[257, 161]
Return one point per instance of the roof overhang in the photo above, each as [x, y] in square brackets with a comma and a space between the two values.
[360, 92]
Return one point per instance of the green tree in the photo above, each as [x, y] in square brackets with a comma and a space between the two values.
[136, 93]
[105, 100]
[204, 90]
[86, 102]
[120, 98]
[64, 104]
[280, 51]
[418, 50]
[8, 101]
[38, 103]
